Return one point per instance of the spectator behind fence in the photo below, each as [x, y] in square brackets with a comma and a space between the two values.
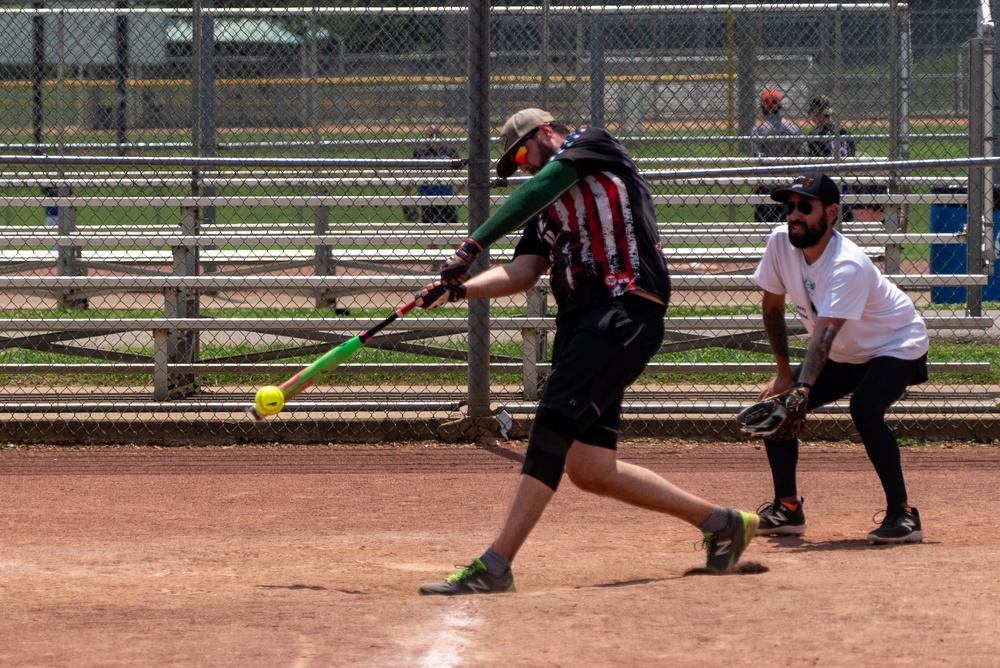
[827, 139]
[774, 137]
[433, 213]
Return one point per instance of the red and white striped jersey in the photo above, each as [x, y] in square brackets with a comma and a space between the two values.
[601, 235]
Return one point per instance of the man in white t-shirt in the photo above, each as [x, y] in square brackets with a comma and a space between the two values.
[866, 339]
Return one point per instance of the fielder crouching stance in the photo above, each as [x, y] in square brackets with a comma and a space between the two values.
[590, 223]
[865, 339]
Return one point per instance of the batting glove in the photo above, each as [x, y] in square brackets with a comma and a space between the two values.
[437, 293]
[456, 270]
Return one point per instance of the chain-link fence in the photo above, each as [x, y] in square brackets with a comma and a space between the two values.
[200, 201]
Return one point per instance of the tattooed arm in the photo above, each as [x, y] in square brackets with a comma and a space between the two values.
[773, 309]
[818, 353]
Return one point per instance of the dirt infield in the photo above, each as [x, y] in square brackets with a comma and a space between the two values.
[310, 556]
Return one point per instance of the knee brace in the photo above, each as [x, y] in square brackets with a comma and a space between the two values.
[549, 441]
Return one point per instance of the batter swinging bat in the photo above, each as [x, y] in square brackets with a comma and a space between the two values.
[330, 360]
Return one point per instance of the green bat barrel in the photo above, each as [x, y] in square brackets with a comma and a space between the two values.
[331, 359]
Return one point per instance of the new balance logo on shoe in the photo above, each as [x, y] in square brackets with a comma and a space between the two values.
[725, 547]
[472, 579]
[477, 586]
[777, 519]
[900, 525]
[722, 547]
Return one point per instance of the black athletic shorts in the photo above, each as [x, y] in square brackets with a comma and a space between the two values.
[598, 351]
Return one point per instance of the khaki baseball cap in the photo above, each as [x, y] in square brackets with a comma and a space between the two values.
[514, 131]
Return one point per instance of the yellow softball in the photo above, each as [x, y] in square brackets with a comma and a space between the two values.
[269, 400]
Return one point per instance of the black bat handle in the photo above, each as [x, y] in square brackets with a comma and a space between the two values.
[400, 312]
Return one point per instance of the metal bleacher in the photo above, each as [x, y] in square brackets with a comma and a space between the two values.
[73, 264]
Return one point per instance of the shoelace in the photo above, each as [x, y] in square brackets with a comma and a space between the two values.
[891, 517]
[768, 510]
[466, 571]
[706, 541]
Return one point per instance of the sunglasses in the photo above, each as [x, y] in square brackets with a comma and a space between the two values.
[521, 156]
[804, 206]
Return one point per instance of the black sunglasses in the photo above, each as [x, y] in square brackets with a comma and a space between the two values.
[803, 205]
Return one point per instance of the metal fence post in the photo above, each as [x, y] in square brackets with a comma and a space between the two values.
[203, 103]
[161, 364]
[899, 147]
[988, 29]
[121, 75]
[994, 8]
[37, 73]
[980, 177]
[68, 260]
[192, 221]
[545, 56]
[534, 342]
[181, 345]
[479, 199]
[324, 264]
[746, 43]
[597, 69]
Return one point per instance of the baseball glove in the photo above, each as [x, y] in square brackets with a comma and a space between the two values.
[780, 417]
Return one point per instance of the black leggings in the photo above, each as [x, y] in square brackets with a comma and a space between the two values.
[874, 386]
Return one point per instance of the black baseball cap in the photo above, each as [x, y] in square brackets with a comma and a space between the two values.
[816, 185]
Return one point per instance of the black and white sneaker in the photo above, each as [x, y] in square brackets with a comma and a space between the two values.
[898, 526]
[776, 519]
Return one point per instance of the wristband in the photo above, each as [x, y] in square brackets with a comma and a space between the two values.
[808, 386]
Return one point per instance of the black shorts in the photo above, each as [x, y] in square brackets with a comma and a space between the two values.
[597, 353]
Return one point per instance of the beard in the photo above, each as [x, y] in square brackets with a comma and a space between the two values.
[545, 153]
[811, 235]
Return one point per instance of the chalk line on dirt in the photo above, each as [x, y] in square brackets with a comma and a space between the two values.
[444, 646]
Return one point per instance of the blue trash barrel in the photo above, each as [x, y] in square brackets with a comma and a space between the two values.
[950, 258]
[51, 216]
